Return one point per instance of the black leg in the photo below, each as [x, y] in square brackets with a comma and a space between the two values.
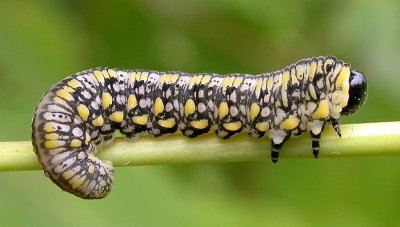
[335, 125]
[275, 148]
[315, 143]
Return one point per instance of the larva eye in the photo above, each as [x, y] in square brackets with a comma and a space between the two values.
[357, 92]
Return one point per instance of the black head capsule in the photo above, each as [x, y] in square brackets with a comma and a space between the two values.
[357, 92]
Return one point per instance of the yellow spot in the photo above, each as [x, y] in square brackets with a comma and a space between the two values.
[190, 107]
[51, 136]
[91, 169]
[164, 78]
[68, 174]
[293, 76]
[345, 87]
[254, 110]
[99, 76]
[106, 99]
[285, 77]
[200, 124]
[206, 79]
[75, 143]
[259, 84]
[91, 157]
[77, 181]
[63, 93]
[167, 78]
[343, 75]
[194, 80]
[285, 82]
[68, 89]
[140, 120]
[144, 76]
[169, 123]
[133, 76]
[233, 126]
[48, 127]
[300, 71]
[319, 69]
[322, 110]
[51, 144]
[198, 79]
[270, 83]
[112, 73]
[117, 116]
[83, 111]
[158, 106]
[228, 81]
[99, 121]
[73, 83]
[313, 68]
[238, 81]
[290, 123]
[132, 102]
[223, 110]
[105, 74]
[262, 126]
[174, 78]
[87, 138]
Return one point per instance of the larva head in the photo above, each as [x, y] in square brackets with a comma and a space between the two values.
[357, 92]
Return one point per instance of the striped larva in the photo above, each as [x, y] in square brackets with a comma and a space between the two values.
[79, 114]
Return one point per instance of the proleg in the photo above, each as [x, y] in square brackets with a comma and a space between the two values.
[80, 114]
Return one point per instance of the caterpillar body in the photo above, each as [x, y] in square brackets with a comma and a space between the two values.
[78, 115]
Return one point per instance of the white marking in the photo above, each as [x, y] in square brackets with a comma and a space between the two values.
[64, 165]
[232, 97]
[169, 107]
[233, 111]
[59, 157]
[77, 132]
[94, 105]
[176, 104]
[143, 103]
[265, 112]
[168, 93]
[201, 93]
[81, 155]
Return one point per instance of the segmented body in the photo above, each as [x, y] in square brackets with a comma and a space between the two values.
[80, 113]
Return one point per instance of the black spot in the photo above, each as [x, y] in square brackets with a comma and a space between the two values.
[317, 77]
[328, 68]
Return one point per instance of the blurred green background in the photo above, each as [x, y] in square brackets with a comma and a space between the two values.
[42, 42]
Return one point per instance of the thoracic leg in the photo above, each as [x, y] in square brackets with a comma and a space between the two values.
[335, 125]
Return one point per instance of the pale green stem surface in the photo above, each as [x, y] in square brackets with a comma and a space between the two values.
[357, 140]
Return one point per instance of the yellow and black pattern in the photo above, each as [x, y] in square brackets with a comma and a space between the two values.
[80, 114]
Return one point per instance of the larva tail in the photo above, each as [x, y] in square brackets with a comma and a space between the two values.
[65, 150]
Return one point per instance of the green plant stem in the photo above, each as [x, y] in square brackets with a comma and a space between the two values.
[357, 140]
